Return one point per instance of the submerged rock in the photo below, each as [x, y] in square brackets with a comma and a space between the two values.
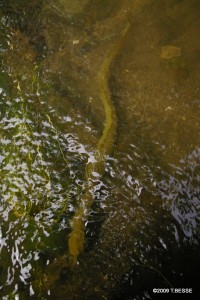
[170, 51]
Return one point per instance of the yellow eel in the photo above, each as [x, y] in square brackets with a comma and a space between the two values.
[104, 147]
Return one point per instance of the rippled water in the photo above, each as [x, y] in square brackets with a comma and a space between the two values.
[141, 225]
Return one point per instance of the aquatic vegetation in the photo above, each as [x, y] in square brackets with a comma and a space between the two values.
[33, 196]
[25, 163]
[99, 118]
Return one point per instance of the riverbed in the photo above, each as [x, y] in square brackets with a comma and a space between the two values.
[99, 148]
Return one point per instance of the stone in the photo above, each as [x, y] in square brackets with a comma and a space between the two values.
[170, 51]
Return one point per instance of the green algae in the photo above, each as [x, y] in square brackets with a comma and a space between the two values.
[146, 203]
[23, 153]
[33, 196]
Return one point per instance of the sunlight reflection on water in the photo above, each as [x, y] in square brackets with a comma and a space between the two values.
[144, 222]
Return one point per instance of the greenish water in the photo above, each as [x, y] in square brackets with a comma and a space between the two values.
[68, 69]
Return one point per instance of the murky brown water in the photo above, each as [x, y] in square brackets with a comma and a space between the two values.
[99, 122]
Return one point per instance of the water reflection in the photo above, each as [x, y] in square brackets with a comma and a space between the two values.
[181, 192]
[142, 230]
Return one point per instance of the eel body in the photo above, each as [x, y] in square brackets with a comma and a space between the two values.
[104, 147]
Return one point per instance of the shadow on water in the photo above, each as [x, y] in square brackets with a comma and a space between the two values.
[141, 228]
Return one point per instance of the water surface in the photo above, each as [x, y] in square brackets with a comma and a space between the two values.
[141, 230]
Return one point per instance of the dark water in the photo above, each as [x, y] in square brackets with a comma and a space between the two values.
[142, 228]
